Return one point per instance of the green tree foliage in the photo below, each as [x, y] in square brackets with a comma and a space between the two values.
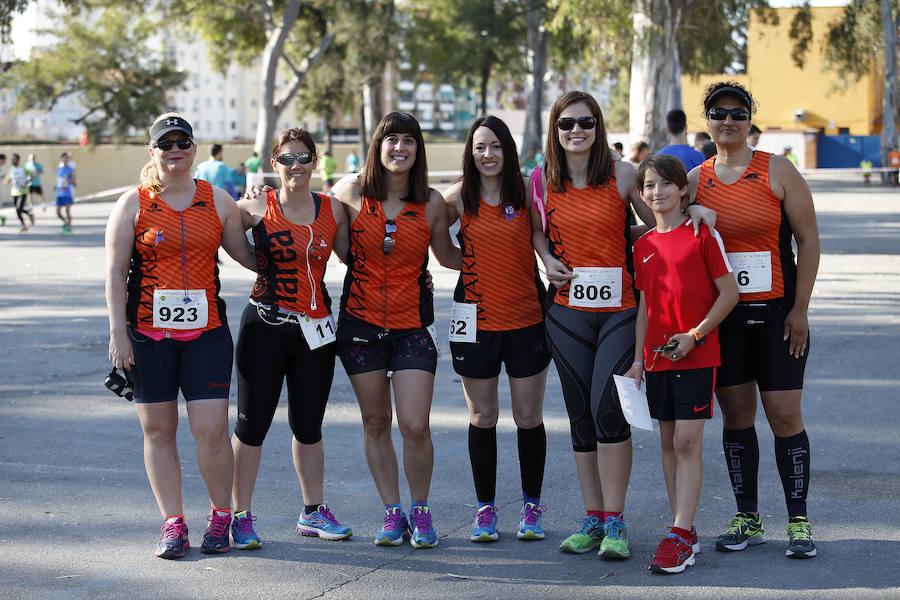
[466, 41]
[103, 62]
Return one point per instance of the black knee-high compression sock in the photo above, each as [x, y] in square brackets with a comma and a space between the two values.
[532, 455]
[483, 456]
[742, 457]
[792, 458]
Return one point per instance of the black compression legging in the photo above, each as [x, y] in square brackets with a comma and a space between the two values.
[20, 208]
[266, 354]
[588, 348]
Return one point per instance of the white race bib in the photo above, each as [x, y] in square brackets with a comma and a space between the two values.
[463, 322]
[318, 332]
[180, 309]
[752, 271]
[596, 287]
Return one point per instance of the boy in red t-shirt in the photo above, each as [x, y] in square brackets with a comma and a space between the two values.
[687, 289]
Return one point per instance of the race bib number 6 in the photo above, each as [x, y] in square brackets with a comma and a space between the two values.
[752, 271]
[596, 287]
[180, 309]
[318, 332]
[463, 322]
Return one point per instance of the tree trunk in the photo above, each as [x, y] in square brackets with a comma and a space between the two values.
[653, 68]
[675, 97]
[364, 133]
[371, 106]
[485, 77]
[537, 67]
[889, 103]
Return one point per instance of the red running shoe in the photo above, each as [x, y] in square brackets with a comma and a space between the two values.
[673, 555]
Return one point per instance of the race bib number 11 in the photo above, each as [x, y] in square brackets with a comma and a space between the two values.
[596, 287]
[180, 309]
[318, 332]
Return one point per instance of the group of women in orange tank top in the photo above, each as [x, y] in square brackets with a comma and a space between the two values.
[168, 329]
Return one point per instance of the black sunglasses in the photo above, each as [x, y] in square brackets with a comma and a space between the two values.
[388, 244]
[568, 123]
[288, 158]
[720, 114]
[182, 143]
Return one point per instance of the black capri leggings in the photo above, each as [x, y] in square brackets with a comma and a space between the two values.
[265, 355]
[588, 348]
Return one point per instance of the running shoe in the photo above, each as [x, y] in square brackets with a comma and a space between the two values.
[586, 539]
[530, 523]
[322, 523]
[215, 540]
[800, 542]
[673, 555]
[173, 541]
[484, 528]
[742, 531]
[395, 530]
[423, 535]
[615, 540]
[695, 541]
[243, 537]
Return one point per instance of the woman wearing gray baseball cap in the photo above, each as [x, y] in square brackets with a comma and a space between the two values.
[167, 323]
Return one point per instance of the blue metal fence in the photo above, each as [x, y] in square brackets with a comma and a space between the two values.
[842, 151]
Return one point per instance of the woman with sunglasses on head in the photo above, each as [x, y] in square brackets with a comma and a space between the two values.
[762, 202]
[287, 331]
[167, 323]
[586, 250]
[497, 318]
[386, 310]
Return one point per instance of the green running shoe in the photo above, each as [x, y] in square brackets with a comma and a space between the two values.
[615, 542]
[585, 539]
[800, 542]
[742, 531]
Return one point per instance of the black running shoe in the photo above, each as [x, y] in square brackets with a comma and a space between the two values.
[742, 531]
[173, 541]
[215, 540]
[800, 542]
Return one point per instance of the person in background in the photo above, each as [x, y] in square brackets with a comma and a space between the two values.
[866, 166]
[894, 162]
[676, 124]
[352, 162]
[788, 153]
[18, 190]
[216, 172]
[709, 149]
[753, 137]
[65, 191]
[33, 170]
[620, 150]
[700, 140]
[239, 179]
[253, 163]
[328, 165]
[639, 151]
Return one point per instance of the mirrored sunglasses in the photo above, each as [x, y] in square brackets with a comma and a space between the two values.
[387, 245]
[288, 158]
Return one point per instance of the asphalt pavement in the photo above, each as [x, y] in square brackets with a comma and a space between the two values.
[78, 519]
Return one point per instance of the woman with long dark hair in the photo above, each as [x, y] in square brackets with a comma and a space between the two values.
[497, 319]
[387, 310]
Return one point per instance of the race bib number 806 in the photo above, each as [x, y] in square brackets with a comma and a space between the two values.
[596, 287]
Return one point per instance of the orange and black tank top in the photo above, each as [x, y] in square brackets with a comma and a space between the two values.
[388, 290]
[589, 228]
[499, 271]
[291, 258]
[175, 251]
[754, 228]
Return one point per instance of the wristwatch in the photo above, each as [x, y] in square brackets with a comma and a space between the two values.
[699, 338]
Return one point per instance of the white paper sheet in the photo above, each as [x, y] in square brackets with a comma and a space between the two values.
[634, 403]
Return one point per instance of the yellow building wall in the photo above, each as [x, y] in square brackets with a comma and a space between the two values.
[780, 88]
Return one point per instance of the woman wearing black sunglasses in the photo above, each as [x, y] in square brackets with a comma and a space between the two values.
[586, 250]
[168, 326]
[497, 319]
[287, 331]
[386, 310]
[762, 202]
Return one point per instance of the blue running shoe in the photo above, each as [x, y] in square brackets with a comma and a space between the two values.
[530, 525]
[242, 535]
[484, 529]
[322, 523]
[423, 535]
[396, 528]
